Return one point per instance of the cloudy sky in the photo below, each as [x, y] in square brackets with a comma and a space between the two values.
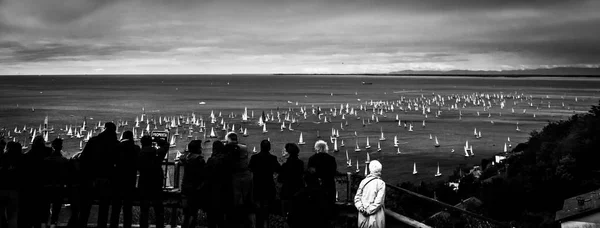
[294, 36]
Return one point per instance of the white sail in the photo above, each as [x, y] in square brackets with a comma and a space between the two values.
[335, 145]
[368, 146]
[438, 170]
[245, 132]
[396, 141]
[357, 149]
[264, 128]
[212, 133]
[301, 140]
[437, 144]
[378, 147]
[414, 168]
[410, 128]
[382, 138]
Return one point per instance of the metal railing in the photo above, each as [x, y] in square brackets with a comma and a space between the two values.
[413, 206]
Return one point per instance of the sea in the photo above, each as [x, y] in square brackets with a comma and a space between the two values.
[69, 100]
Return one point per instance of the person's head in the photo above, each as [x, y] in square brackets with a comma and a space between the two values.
[110, 127]
[146, 141]
[57, 144]
[321, 147]
[38, 142]
[292, 149]
[231, 137]
[128, 135]
[13, 148]
[375, 167]
[217, 147]
[195, 146]
[265, 145]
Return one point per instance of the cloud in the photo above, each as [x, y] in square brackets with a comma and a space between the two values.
[292, 36]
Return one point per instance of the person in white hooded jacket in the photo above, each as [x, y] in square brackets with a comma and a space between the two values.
[370, 197]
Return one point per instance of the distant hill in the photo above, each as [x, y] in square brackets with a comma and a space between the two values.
[559, 71]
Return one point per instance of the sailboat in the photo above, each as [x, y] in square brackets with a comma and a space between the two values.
[290, 127]
[430, 137]
[357, 167]
[505, 150]
[410, 128]
[212, 133]
[414, 168]
[342, 144]
[357, 149]
[245, 132]
[423, 123]
[348, 161]
[518, 127]
[264, 130]
[437, 144]
[471, 150]
[172, 144]
[398, 151]
[301, 140]
[378, 147]
[382, 138]
[368, 146]
[396, 141]
[467, 149]
[438, 171]
[81, 145]
[335, 145]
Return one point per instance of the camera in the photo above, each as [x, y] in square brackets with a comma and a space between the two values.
[159, 135]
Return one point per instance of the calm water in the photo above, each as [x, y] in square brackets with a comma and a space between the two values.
[68, 99]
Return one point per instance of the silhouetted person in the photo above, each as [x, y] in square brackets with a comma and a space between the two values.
[323, 165]
[56, 171]
[309, 206]
[97, 164]
[34, 210]
[241, 214]
[263, 165]
[151, 180]
[124, 180]
[291, 176]
[11, 160]
[193, 179]
[219, 186]
[76, 182]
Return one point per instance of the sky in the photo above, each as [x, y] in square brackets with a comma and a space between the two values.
[294, 36]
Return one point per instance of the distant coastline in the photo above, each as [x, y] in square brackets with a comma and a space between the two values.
[560, 72]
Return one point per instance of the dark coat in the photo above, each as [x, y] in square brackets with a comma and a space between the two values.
[309, 208]
[56, 170]
[241, 177]
[34, 166]
[151, 172]
[291, 177]
[11, 171]
[218, 182]
[325, 168]
[126, 164]
[99, 155]
[263, 165]
[193, 174]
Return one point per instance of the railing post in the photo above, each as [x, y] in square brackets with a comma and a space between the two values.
[349, 188]
[176, 175]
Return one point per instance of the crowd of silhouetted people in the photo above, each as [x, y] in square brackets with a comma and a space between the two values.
[234, 187]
